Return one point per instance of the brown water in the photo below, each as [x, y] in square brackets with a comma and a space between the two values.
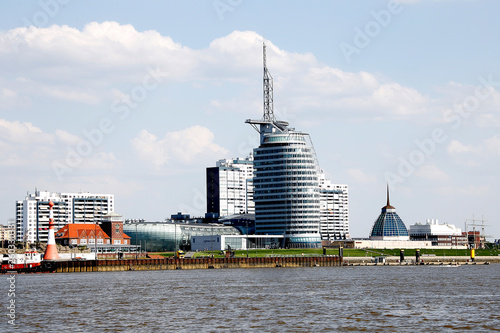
[334, 299]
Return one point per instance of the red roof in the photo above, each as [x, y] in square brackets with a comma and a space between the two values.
[79, 230]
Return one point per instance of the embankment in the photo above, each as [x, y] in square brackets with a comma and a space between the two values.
[202, 263]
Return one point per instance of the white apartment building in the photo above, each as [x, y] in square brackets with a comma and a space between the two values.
[32, 213]
[334, 210]
[230, 187]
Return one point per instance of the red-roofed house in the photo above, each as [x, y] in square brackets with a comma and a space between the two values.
[81, 234]
[109, 233]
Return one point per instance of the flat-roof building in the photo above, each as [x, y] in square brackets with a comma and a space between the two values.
[32, 213]
[170, 236]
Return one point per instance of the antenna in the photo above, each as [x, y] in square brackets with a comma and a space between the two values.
[268, 91]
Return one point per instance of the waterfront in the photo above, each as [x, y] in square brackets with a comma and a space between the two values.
[382, 298]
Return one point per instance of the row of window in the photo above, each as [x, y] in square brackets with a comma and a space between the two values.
[266, 151]
[259, 174]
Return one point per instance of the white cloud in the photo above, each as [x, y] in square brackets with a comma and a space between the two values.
[185, 147]
[456, 147]
[431, 172]
[89, 65]
[469, 191]
[19, 133]
[489, 147]
[360, 177]
[23, 145]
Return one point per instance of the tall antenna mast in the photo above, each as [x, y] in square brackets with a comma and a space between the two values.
[268, 91]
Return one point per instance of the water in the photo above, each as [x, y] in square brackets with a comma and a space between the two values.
[317, 299]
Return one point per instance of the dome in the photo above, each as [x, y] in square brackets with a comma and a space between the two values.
[389, 225]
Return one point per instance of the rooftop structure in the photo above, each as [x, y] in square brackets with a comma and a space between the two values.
[389, 225]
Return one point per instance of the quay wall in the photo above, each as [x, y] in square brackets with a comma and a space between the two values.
[198, 263]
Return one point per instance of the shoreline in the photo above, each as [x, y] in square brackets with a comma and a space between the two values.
[78, 266]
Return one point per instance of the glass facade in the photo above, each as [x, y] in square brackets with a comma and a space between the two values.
[158, 236]
[286, 188]
[389, 224]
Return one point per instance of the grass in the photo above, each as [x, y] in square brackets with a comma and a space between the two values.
[260, 253]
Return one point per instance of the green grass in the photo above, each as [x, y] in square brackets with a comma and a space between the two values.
[260, 253]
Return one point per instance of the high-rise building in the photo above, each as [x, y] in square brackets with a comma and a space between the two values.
[230, 187]
[286, 185]
[334, 210]
[32, 213]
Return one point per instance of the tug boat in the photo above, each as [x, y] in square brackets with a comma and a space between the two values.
[29, 261]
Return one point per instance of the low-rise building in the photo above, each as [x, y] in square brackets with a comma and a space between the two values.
[438, 234]
[102, 237]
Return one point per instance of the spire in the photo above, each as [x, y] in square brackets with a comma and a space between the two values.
[388, 202]
[388, 206]
[268, 91]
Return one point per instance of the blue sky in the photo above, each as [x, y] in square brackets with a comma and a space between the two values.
[136, 99]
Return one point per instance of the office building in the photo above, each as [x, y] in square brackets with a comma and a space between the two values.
[32, 213]
[286, 185]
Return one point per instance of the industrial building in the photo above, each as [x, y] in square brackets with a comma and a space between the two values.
[32, 213]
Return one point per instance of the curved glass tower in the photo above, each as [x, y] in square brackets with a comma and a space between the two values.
[286, 185]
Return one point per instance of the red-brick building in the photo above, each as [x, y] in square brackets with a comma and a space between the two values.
[109, 233]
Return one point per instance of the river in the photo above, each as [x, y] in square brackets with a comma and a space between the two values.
[316, 299]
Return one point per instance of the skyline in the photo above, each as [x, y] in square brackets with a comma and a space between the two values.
[137, 102]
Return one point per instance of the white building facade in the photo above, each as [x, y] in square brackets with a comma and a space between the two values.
[230, 187]
[32, 213]
[334, 210]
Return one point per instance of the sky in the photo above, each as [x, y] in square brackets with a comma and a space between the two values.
[137, 99]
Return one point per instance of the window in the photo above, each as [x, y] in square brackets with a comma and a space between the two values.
[117, 241]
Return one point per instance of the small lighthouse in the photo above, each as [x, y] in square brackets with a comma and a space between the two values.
[51, 251]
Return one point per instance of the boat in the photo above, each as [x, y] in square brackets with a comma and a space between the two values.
[455, 264]
[29, 261]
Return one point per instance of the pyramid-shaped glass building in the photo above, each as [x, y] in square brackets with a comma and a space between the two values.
[389, 225]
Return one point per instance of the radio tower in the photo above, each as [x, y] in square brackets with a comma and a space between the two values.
[268, 123]
[268, 92]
